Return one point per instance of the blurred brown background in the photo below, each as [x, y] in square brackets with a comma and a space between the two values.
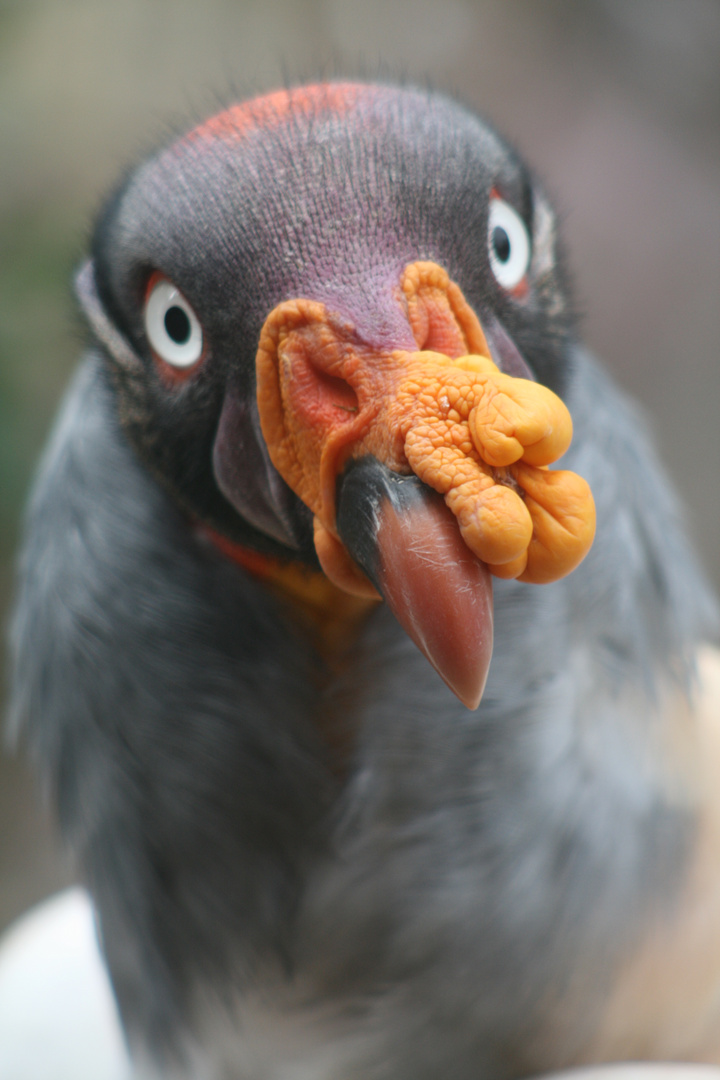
[615, 102]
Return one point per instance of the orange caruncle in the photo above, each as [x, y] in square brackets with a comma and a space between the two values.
[483, 440]
[480, 438]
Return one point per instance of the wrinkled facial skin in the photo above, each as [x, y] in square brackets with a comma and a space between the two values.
[327, 194]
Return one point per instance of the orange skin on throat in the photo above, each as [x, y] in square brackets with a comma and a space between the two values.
[481, 438]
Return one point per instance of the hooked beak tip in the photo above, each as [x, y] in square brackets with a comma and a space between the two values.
[407, 542]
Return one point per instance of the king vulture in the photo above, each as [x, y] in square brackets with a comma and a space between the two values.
[377, 767]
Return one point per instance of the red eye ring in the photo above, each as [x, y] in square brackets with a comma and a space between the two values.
[509, 248]
[173, 329]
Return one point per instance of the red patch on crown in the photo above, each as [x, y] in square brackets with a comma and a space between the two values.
[270, 110]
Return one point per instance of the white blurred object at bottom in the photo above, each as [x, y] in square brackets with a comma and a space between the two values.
[58, 1018]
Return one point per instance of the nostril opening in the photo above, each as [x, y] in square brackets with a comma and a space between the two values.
[337, 392]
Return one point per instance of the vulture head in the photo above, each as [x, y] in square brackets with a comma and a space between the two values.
[322, 310]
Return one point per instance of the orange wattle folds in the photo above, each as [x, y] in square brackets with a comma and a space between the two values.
[480, 438]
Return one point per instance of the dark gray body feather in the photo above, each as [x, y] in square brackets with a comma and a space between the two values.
[459, 902]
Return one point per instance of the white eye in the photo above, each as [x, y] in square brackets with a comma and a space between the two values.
[508, 244]
[172, 326]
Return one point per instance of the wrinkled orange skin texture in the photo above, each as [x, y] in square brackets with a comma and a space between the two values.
[479, 437]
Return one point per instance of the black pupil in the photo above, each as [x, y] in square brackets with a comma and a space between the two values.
[177, 325]
[501, 243]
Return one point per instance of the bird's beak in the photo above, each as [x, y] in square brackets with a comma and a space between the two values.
[370, 438]
[406, 540]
